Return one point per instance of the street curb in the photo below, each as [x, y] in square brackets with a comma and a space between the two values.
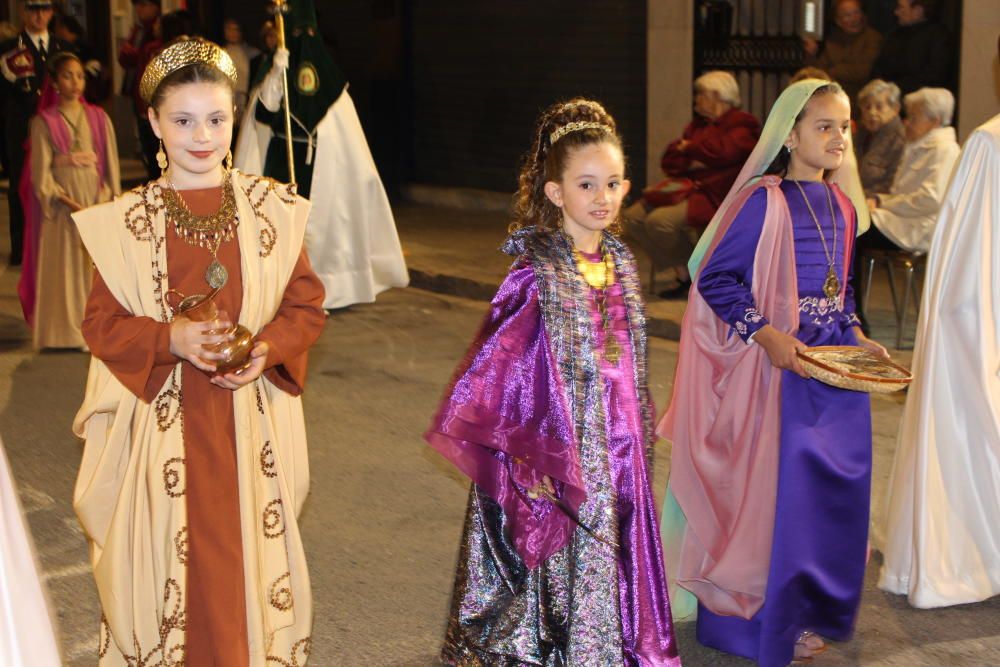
[467, 288]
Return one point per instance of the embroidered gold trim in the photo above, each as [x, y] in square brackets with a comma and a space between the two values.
[174, 621]
[181, 545]
[300, 650]
[161, 405]
[258, 190]
[260, 399]
[267, 461]
[105, 632]
[281, 598]
[274, 521]
[172, 477]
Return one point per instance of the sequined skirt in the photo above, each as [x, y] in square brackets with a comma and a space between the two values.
[564, 612]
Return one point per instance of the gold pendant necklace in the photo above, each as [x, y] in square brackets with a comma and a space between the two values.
[208, 231]
[74, 127]
[599, 276]
[831, 286]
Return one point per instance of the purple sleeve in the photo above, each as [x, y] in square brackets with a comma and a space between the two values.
[725, 281]
[505, 420]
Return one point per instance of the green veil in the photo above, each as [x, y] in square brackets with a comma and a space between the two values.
[779, 124]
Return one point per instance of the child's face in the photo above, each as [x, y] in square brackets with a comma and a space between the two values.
[195, 122]
[819, 140]
[70, 80]
[592, 188]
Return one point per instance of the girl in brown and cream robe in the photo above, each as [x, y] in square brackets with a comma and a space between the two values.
[191, 480]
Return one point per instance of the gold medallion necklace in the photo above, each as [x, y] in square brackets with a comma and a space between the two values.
[831, 286]
[75, 127]
[600, 276]
[206, 231]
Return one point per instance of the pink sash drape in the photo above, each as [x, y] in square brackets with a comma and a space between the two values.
[725, 424]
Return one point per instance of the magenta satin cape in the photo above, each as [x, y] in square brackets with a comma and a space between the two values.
[61, 139]
[724, 421]
[506, 418]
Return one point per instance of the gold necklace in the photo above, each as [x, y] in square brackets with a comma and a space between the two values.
[206, 231]
[73, 126]
[600, 276]
[831, 286]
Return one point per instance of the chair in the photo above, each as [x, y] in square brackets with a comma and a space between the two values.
[911, 263]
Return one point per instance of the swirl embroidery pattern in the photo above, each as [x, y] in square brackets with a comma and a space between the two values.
[258, 190]
[172, 477]
[820, 309]
[274, 521]
[281, 598]
[298, 657]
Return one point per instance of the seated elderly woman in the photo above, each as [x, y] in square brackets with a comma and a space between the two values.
[881, 138]
[700, 167]
[904, 216]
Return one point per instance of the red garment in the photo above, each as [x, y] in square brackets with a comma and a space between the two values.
[722, 145]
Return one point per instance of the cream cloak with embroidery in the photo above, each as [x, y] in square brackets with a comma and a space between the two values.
[129, 494]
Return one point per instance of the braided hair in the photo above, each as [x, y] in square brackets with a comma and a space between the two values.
[546, 161]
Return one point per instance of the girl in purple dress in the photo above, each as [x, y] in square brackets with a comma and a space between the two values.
[550, 417]
[766, 518]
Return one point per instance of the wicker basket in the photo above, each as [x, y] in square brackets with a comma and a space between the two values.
[855, 368]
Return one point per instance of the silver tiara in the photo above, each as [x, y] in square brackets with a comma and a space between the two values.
[576, 126]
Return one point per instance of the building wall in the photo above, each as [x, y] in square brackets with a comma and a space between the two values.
[670, 48]
[481, 71]
[979, 76]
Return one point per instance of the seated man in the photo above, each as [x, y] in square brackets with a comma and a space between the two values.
[701, 167]
[881, 138]
[904, 217]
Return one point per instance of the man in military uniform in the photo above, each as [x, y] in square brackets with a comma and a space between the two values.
[22, 64]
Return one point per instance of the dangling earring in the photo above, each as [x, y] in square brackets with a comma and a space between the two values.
[161, 160]
[229, 161]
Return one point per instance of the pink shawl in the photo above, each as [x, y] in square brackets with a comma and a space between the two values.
[725, 424]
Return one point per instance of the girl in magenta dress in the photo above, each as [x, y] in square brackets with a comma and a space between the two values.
[550, 416]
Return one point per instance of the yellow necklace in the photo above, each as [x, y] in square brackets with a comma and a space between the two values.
[600, 276]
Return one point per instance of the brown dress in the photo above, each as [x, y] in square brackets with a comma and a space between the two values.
[137, 351]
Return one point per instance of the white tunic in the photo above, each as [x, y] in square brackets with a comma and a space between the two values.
[908, 213]
[26, 634]
[351, 237]
[943, 522]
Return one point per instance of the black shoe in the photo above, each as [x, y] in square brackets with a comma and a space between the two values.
[679, 292]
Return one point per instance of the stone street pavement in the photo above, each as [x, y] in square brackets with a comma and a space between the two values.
[382, 524]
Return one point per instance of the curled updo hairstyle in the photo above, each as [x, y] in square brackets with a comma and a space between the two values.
[197, 72]
[779, 166]
[547, 161]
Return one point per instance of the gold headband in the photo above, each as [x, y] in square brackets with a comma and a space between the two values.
[178, 55]
[576, 126]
